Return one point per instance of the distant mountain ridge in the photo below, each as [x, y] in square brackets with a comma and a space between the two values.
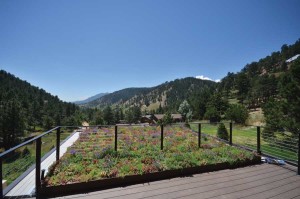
[80, 102]
[169, 94]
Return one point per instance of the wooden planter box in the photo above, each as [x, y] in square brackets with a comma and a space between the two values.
[97, 185]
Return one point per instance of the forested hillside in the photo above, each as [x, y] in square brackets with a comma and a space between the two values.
[166, 96]
[117, 97]
[26, 108]
[272, 84]
[269, 85]
[258, 81]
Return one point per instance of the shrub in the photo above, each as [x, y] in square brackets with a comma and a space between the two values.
[222, 132]
[212, 114]
[237, 113]
[167, 119]
[25, 152]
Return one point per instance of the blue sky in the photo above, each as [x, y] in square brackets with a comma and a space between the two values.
[76, 49]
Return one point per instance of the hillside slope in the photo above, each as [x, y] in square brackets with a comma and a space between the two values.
[169, 94]
[257, 82]
[38, 108]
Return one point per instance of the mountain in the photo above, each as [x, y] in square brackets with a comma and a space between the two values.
[90, 99]
[25, 108]
[259, 81]
[169, 94]
[253, 88]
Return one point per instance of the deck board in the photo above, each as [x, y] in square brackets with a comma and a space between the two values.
[260, 181]
[27, 185]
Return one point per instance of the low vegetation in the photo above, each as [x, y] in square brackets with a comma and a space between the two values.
[93, 157]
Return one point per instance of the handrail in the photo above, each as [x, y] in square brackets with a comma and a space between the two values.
[27, 142]
[37, 139]
[43, 134]
[246, 125]
[210, 122]
[49, 131]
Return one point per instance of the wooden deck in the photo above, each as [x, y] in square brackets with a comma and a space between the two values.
[255, 182]
[27, 185]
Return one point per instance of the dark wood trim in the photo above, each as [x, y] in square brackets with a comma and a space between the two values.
[97, 185]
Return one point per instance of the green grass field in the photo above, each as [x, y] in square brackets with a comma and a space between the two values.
[247, 136]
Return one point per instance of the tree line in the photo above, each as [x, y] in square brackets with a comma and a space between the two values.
[271, 84]
[25, 108]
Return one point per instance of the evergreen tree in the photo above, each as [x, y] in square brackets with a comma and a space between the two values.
[122, 117]
[117, 114]
[137, 114]
[48, 122]
[133, 114]
[98, 118]
[108, 116]
[290, 91]
[199, 100]
[216, 107]
[212, 114]
[129, 116]
[222, 132]
[160, 109]
[12, 124]
[167, 119]
[237, 113]
[243, 85]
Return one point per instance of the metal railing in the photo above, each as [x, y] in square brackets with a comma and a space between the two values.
[38, 146]
[254, 139]
[262, 145]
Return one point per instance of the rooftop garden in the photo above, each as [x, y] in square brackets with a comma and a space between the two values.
[93, 157]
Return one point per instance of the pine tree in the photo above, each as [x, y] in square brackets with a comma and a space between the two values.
[222, 132]
[108, 116]
[237, 113]
[12, 125]
[167, 119]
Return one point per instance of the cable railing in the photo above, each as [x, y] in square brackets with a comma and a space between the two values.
[15, 161]
[19, 161]
[275, 145]
[281, 145]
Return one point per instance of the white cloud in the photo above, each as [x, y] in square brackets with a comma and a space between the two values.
[203, 77]
[206, 78]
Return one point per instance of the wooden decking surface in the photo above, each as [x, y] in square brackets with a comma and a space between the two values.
[26, 186]
[254, 182]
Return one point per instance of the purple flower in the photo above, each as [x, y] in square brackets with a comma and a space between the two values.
[156, 135]
[106, 130]
[73, 152]
[97, 155]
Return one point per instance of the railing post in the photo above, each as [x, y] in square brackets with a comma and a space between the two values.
[38, 167]
[258, 140]
[116, 138]
[230, 133]
[162, 137]
[298, 153]
[199, 135]
[1, 179]
[57, 143]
